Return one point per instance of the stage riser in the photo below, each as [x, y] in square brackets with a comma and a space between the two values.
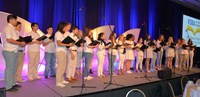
[154, 89]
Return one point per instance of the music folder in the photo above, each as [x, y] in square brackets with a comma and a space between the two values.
[192, 46]
[184, 46]
[143, 47]
[78, 43]
[108, 43]
[156, 50]
[163, 43]
[68, 40]
[172, 45]
[42, 38]
[52, 36]
[151, 43]
[94, 43]
[26, 39]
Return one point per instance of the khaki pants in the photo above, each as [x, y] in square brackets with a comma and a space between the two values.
[18, 76]
[71, 66]
[182, 61]
[34, 60]
[61, 60]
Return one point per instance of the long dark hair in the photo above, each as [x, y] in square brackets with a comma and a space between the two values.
[61, 26]
[112, 38]
[190, 42]
[87, 31]
[146, 37]
[160, 36]
[100, 35]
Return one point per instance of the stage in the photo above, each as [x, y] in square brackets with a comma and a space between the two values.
[47, 88]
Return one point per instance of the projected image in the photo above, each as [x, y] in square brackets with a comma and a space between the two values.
[191, 29]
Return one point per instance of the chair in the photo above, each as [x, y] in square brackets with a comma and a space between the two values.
[172, 90]
[184, 81]
[135, 93]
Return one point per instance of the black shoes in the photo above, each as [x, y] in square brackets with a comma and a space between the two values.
[17, 86]
[53, 76]
[46, 76]
[131, 68]
[14, 88]
[91, 72]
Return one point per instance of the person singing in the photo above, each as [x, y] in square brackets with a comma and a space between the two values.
[49, 53]
[61, 53]
[129, 51]
[112, 53]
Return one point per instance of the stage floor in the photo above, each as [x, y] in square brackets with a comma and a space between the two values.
[47, 88]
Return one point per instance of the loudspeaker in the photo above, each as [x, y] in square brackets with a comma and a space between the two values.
[2, 92]
[165, 74]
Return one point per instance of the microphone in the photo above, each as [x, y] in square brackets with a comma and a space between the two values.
[104, 17]
[144, 23]
[81, 8]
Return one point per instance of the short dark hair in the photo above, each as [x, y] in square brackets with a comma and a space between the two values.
[33, 24]
[49, 27]
[9, 17]
[74, 27]
[139, 39]
[129, 36]
[18, 23]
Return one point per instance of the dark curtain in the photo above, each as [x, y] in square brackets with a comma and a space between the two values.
[161, 16]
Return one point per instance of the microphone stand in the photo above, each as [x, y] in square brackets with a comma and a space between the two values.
[145, 71]
[111, 74]
[82, 86]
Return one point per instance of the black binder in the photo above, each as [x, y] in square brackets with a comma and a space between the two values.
[108, 43]
[68, 40]
[42, 38]
[185, 46]
[143, 47]
[163, 43]
[192, 47]
[26, 39]
[52, 36]
[94, 43]
[151, 43]
[172, 45]
[78, 43]
[156, 50]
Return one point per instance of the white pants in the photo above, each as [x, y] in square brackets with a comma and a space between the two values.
[139, 62]
[71, 65]
[190, 59]
[101, 59]
[121, 60]
[176, 59]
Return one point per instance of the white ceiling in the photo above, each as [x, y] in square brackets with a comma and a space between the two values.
[193, 4]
